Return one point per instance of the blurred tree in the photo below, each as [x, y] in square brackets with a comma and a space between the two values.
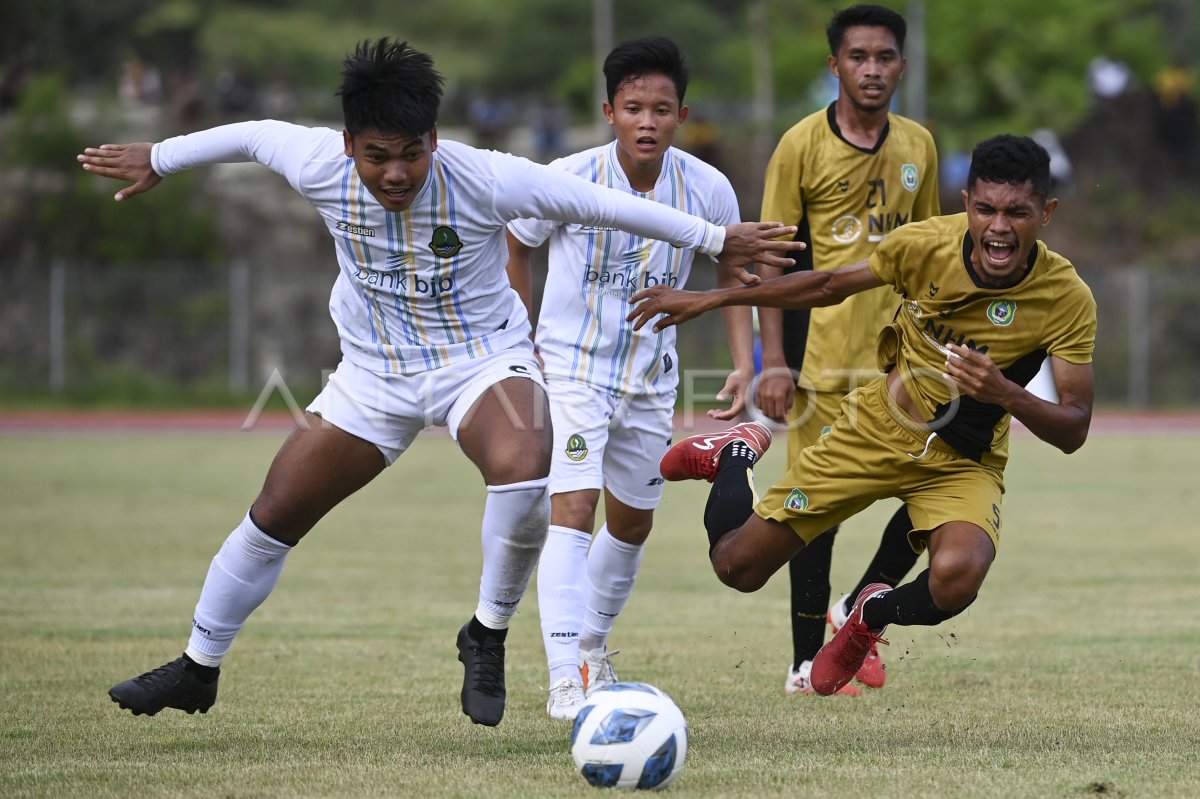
[69, 213]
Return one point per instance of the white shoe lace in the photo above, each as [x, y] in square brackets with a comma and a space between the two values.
[600, 670]
[566, 698]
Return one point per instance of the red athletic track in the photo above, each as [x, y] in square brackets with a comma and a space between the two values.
[227, 421]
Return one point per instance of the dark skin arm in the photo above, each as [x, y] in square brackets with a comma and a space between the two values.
[1063, 424]
[797, 290]
[777, 386]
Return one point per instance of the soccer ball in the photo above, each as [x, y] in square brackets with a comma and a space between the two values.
[629, 735]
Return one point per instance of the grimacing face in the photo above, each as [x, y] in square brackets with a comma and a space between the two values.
[868, 66]
[393, 167]
[1004, 220]
[645, 114]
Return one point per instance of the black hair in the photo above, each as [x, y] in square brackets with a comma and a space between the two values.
[865, 15]
[649, 55]
[389, 87]
[1011, 159]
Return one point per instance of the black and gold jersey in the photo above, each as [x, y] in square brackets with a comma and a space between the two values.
[846, 200]
[1049, 312]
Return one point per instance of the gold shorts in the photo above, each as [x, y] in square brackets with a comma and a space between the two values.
[812, 415]
[870, 454]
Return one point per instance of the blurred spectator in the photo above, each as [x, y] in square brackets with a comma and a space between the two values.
[237, 91]
[184, 97]
[1062, 173]
[140, 83]
[490, 120]
[954, 168]
[702, 138]
[12, 84]
[1108, 78]
[549, 130]
[278, 98]
[1176, 119]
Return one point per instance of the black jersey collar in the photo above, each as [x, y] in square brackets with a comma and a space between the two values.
[969, 247]
[831, 115]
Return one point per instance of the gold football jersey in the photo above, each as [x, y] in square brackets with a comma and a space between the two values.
[1050, 312]
[846, 200]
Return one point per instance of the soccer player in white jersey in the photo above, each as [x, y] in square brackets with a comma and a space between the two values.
[431, 334]
[612, 390]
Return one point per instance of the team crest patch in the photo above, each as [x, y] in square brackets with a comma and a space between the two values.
[446, 242]
[1001, 312]
[576, 447]
[908, 177]
[796, 500]
[846, 229]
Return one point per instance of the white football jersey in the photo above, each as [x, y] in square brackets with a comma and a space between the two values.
[426, 288]
[582, 334]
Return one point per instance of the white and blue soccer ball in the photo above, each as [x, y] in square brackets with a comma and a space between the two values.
[629, 735]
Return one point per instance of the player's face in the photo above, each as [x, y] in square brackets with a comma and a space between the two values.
[644, 114]
[393, 167]
[868, 66]
[1004, 221]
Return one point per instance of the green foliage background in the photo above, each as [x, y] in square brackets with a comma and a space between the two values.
[1016, 64]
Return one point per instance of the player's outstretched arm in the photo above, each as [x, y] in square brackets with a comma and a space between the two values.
[750, 242]
[809, 289]
[128, 162]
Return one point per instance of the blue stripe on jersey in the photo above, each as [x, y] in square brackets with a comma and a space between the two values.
[397, 236]
[589, 315]
[683, 199]
[626, 344]
[450, 202]
[601, 259]
[360, 254]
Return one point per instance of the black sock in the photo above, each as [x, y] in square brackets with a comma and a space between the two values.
[894, 558]
[910, 604]
[485, 635]
[809, 573]
[731, 499]
[205, 674]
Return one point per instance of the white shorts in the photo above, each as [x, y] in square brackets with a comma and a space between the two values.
[607, 441]
[389, 410]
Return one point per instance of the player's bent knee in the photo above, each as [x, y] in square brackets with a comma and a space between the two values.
[286, 525]
[954, 582]
[737, 572]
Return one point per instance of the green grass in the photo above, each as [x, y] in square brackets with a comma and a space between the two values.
[1076, 673]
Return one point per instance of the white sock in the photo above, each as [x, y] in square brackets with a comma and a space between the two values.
[240, 577]
[561, 584]
[515, 519]
[612, 568]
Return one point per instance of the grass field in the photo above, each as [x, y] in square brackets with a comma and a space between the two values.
[1077, 672]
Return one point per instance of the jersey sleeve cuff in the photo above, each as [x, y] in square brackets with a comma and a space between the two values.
[714, 241]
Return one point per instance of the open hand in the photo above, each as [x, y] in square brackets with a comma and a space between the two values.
[130, 162]
[759, 242]
[677, 305]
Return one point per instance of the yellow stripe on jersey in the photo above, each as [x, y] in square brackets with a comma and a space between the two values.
[356, 207]
[601, 242]
[452, 322]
